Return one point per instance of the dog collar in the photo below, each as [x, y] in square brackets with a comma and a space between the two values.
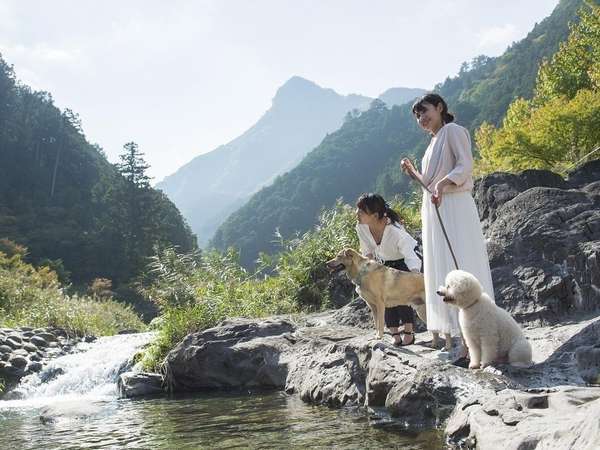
[361, 273]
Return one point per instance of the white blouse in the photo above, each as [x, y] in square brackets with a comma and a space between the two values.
[449, 156]
[395, 244]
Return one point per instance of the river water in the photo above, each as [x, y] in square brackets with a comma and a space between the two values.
[74, 403]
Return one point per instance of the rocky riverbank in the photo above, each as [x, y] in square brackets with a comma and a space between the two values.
[25, 350]
[323, 361]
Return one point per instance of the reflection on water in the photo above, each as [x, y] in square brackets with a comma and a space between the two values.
[259, 420]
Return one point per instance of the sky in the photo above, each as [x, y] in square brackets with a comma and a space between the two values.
[182, 77]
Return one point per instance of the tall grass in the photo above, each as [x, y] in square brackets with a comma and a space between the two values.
[197, 291]
[33, 296]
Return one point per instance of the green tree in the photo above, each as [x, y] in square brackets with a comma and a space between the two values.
[133, 167]
[560, 125]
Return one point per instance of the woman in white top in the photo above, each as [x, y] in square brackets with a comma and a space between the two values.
[384, 239]
[447, 172]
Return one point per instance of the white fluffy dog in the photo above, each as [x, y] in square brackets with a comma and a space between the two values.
[490, 333]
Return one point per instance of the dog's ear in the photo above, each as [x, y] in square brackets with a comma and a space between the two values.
[347, 252]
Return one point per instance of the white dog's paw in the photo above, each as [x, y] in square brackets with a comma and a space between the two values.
[473, 365]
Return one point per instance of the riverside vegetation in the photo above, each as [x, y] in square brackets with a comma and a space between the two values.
[34, 296]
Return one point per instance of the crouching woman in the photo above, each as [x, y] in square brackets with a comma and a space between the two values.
[383, 238]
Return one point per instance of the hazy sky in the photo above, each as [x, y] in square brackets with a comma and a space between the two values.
[182, 77]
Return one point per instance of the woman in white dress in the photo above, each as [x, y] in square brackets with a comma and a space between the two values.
[447, 172]
[383, 238]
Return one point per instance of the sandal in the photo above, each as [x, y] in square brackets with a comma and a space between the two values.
[462, 361]
[402, 344]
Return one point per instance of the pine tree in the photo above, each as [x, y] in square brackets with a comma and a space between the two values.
[133, 166]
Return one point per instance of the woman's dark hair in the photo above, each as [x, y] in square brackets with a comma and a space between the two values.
[433, 99]
[374, 203]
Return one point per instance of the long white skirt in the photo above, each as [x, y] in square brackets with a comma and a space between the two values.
[461, 220]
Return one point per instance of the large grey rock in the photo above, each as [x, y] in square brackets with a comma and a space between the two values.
[239, 353]
[494, 190]
[340, 289]
[329, 365]
[543, 241]
[139, 384]
[584, 175]
[354, 314]
[564, 417]
[428, 398]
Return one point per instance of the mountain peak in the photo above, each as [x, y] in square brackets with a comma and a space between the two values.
[298, 87]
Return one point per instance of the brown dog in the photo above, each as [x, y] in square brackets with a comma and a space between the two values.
[380, 286]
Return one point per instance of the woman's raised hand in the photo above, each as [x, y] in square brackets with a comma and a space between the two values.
[407, 166]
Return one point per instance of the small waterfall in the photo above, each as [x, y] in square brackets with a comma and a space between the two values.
[90, 372]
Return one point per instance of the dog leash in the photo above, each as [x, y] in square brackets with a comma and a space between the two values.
[437, 210]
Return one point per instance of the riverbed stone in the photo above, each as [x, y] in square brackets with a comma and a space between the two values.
[30, 347]
[5, 349]
[139, 384]
[20, 352]
[39, 341]
[18, 361]
[48, 337]
[12, 373]
[26, 357]
[11, 342]
[15, 337]
[34, 366]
